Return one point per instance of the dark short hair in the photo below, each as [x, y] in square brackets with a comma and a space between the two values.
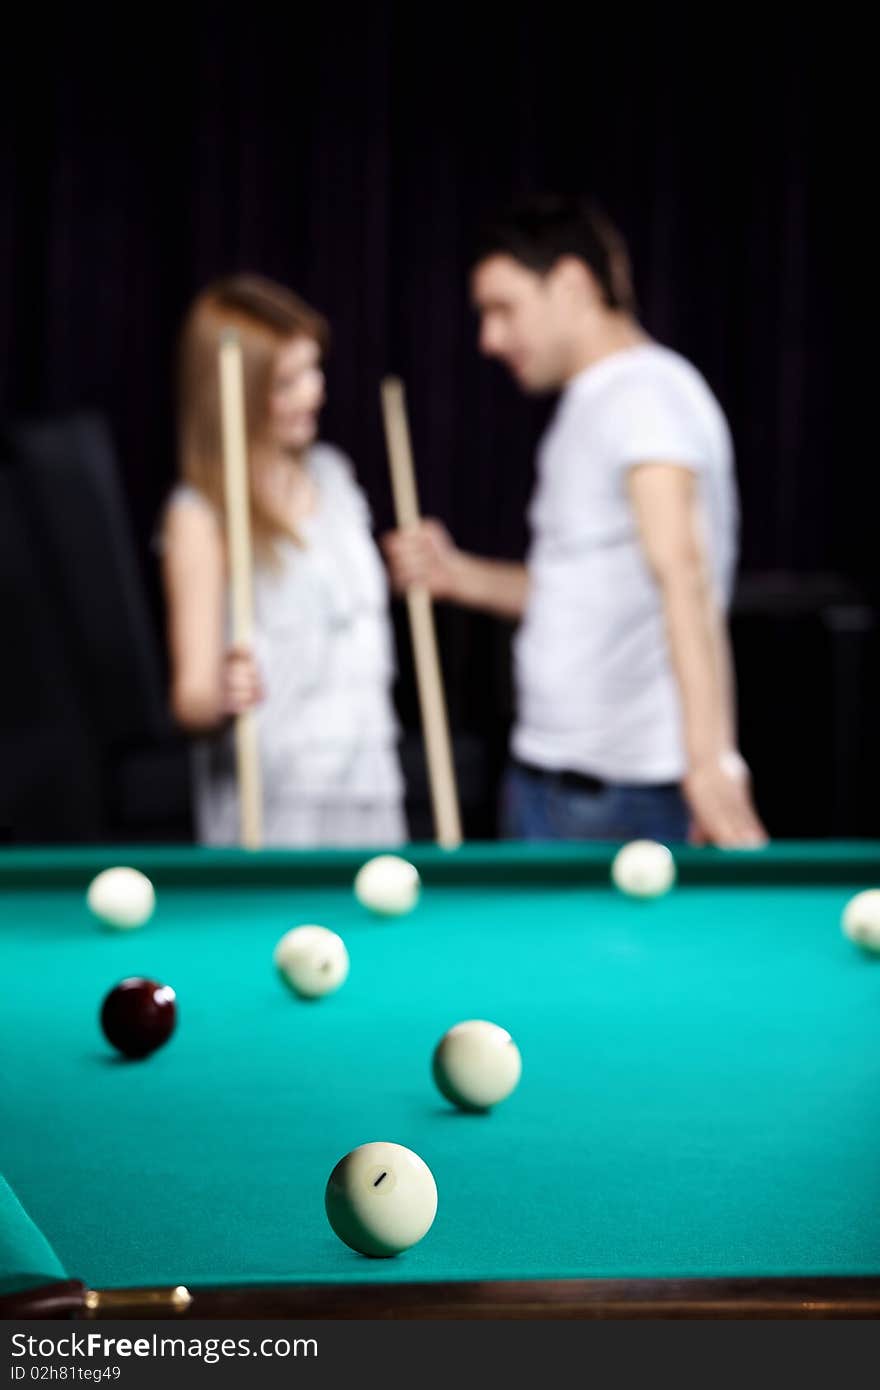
[538, 233]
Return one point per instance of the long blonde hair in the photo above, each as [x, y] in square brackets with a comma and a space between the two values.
[267, 316]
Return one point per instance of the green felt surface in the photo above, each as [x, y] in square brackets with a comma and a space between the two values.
[26, 1258]
[700, 1093]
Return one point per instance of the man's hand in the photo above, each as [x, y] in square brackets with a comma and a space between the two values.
[424, 554]
[718, 792]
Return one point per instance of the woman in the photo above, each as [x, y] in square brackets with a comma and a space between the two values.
[322, 664]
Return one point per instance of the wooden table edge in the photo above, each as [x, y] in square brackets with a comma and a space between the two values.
[759, 1298]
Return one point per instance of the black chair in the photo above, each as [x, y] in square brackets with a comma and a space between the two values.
[93, 677]
[807, 663]
[49, 785]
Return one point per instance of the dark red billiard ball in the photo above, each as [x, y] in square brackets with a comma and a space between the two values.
[138, 1016]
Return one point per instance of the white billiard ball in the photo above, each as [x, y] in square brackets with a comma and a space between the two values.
[387, 885]
[643, 869]
[861, 919]
[381, 1199]
[312, 960]
[476, 1064]
[121, 898]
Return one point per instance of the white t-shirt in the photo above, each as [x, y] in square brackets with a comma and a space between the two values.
[595, 687]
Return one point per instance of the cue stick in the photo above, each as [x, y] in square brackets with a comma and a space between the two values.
[238, 539]
[435, 726]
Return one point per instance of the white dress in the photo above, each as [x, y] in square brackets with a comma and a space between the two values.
[327, 729]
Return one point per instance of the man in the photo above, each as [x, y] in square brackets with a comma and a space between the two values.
[625, 725]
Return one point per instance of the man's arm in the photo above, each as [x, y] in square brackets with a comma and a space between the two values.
[426, 555]
[664, 498]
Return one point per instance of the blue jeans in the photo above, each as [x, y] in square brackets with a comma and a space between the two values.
[546, 808]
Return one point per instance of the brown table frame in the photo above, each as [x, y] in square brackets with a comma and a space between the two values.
[532, 1298]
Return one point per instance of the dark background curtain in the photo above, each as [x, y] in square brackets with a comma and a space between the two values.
[351, 152]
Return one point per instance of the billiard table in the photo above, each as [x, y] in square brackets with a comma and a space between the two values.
[696, 1132]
